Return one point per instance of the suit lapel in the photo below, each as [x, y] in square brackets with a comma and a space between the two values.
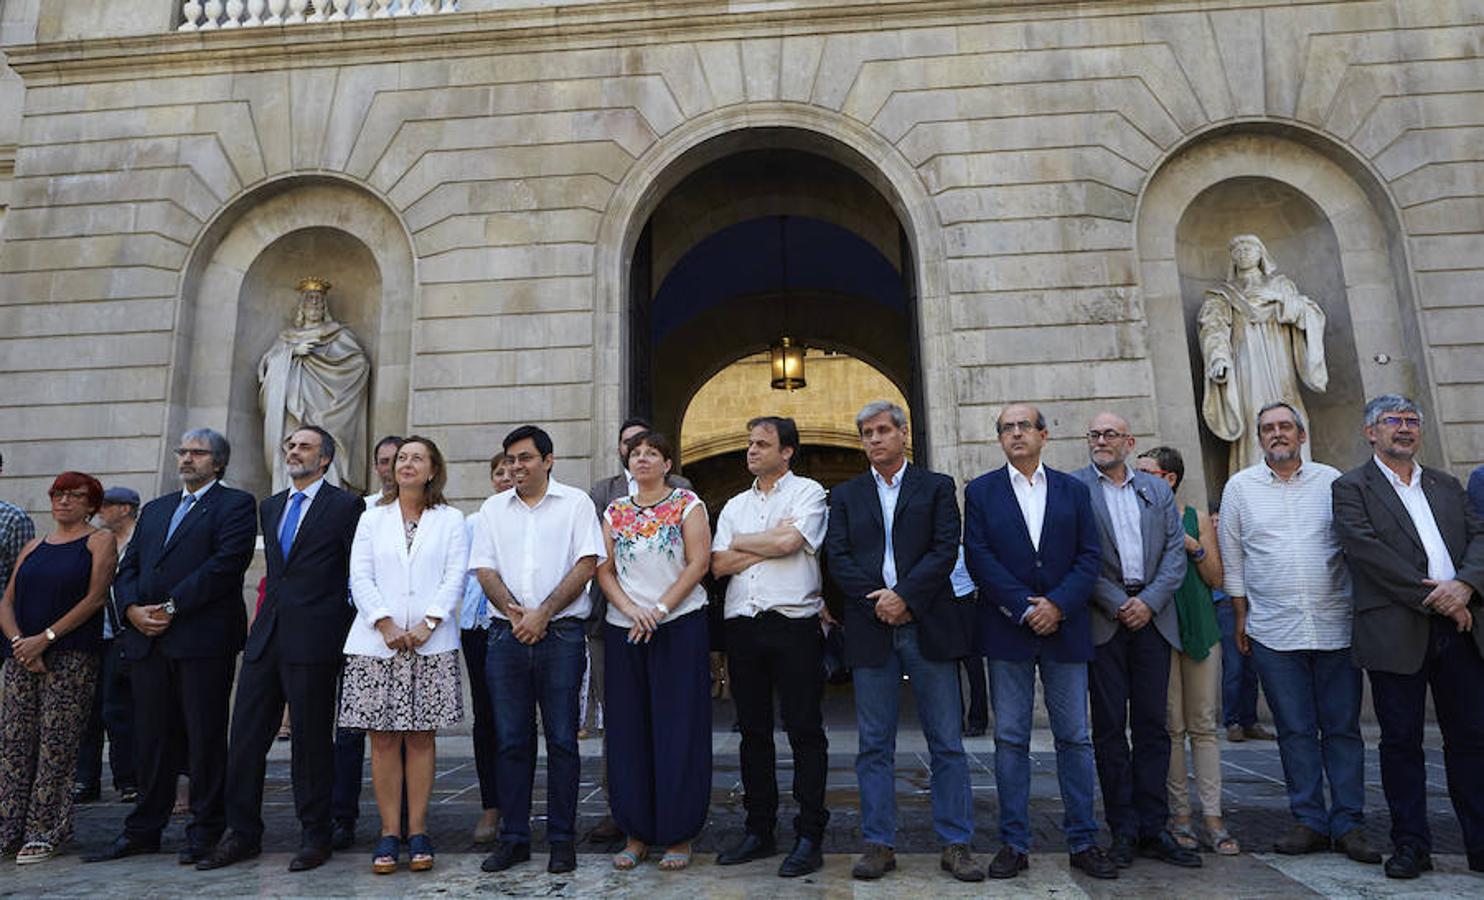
[316, 511]
[272, 519]
[1003, 485]
[872, 498]
[194, 515]
[1100, 509]
[1443, 513]
[1382, 488]
[1151, 528]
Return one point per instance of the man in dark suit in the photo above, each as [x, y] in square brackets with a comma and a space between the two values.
[1134, 626]
[1476, 491]
[293, 654]
[1416, 557]
[1031, 546]
[179, 588]
[891, 544]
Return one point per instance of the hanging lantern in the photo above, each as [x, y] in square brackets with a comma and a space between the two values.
[787, 360]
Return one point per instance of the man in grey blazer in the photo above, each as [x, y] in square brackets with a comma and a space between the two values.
[1133, 629]
[1416, 557]
[605, 491]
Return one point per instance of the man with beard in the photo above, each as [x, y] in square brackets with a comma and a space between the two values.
[1291, 594]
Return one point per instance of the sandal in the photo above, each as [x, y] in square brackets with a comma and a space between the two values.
[674, 861]
[384, 857]
[1222, 843]
[626, 860]
[1184, 835]
[35, 852]
[420, 853]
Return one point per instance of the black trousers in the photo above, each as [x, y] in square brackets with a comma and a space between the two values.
[476, 646]
[1454, 671]
[977, 716]
[350, 764]
[767, 654]
[263, 686]
[1129, 680]
[113, 714]
[180, 721]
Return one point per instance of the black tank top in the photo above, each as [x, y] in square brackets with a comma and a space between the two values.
[50, 582]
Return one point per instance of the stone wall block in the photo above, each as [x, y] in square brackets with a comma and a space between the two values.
[80, 421]
[55, 387]
[529, 402]
[1191, 39]
[722, 63]
[799, 66]
[1052, 381]
[101, 250]
[762, 71]
[1239, 42]
[1032, 308]
[536, 331]
[596, 158]
[1014, 201]
[1000, 347]
[510, 296]
[490, 263]
[1439, 180]
[102, 320]
[1092, 269]
[1021, 236]
[495, 368]
[1105, 129]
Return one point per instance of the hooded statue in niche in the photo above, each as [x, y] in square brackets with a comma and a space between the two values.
[1259, 338]
[315, 374]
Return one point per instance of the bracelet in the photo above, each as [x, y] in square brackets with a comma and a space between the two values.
[16, 640]
[1199, 554]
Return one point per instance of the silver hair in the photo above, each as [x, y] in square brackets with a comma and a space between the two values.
[1387, 403]
[877, 407]
[221, 451]
[1279, 404]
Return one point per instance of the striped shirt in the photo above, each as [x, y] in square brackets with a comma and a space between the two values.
[1279, 550]
[16, 530]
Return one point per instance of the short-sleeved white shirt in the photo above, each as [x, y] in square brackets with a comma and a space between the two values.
[790, 584]
[533, 548]
[649, 552]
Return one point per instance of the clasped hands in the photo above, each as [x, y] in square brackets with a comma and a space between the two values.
[27, 652]
[399, 638]
[528, 625]
[1134, 614]
[150, 621]
[1450, 598]
[1043, 616]
[646, 621]
[890, 607]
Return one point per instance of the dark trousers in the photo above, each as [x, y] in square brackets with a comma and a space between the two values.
[775, 653]
[1455, 673]
[476, 648]
[1129, 680]
[113, 714]
[350, 763]
[263, 686]
[977, 715]
[1238, 674]
[657, 721]
[180, 721]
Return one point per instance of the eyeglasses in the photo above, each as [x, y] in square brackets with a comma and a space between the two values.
[193, 452]
[78, 496]
[1107, 434]
[1018, 425]
[1412, 422]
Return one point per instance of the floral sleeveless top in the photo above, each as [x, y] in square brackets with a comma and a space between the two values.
[649, 551]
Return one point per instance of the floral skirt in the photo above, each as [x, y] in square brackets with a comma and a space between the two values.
[405, 692]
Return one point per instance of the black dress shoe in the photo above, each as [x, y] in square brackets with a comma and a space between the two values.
[121, 847]
[1408, 862]
[506, 855]
[190, 856]
[309, 858]
[85, 793]
[1008, 863]
[605, 832]
[1165, 848]
[232, 849]
[804, 858]
[344, 835]
[976, 731]
[1095, 862]
[1122, 851]
[563, 857]
[751, 847]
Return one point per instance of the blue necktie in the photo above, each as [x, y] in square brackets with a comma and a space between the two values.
[290, 524]
[186, 503]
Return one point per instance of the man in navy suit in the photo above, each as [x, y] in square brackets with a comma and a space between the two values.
[1134, 626]
[293, 654]
[1031, 545]
[891, 543]
[179, 588]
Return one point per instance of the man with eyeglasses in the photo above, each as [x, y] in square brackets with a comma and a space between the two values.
[1416, 554]
[1031, 546]
[1290, 590]
[179, 592]
[1134, 627]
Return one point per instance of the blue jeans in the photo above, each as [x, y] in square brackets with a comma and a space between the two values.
[1012, 690]
[1315, 698]
[521, 676]
[1238, 675]
[935, 687]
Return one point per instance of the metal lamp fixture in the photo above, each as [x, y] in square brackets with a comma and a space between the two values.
[787, 359]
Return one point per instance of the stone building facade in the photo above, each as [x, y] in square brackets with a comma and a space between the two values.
[501, 193]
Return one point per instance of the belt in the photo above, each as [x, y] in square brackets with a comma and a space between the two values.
[1133, 588]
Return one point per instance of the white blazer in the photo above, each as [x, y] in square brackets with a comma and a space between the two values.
[388, 579]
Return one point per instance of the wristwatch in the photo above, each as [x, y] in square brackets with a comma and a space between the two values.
[169, 607]
[1199, 554]
[431, 622]
[51, 636]
[664, 610]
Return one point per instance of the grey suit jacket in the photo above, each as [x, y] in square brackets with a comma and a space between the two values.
[1387, 563]
[604, 492]
[1164, 557]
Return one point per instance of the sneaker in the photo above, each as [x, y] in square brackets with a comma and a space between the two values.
[958, 861]
[876, 861]
[1236, 734]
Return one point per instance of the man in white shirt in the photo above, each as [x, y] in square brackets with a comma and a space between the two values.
[1291, 593]
[534, 549]
[767, 541]
[1416, 553]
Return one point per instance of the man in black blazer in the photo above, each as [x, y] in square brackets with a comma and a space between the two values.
[1416, 557]
[892, 543]
[179, 588]
[293, 654]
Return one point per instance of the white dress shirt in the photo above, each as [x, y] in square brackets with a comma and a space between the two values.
[1280, 551]
[790, 584]
[1439, 562]
[887, 492]
[309, 494]
[1030, 493]
[1123, 512]
[532, 548]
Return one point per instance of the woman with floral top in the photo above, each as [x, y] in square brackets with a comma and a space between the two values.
[658, 698]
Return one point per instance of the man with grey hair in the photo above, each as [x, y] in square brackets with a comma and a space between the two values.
[16, 530]
[1416, 554]
[1291, 593]
[179, 595]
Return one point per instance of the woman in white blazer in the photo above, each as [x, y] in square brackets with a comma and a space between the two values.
[401, 681]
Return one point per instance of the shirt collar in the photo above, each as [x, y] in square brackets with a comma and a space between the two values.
[1037, 476]
[783, 479]
[310, 491]
[1128, 476]
[199, 492]
[1270, 475]
[896, 477]
[554, 490]
[1395, 479]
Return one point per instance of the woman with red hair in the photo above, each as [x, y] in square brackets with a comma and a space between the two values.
[52, 619]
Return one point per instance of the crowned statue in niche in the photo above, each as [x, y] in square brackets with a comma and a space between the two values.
[1260, 339]
[315, 374]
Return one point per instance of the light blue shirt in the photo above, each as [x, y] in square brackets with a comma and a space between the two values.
[304, 505]
[1123, 512]
[963, 585]
[474, 608]
[887, 494]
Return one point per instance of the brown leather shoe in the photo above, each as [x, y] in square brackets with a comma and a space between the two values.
[1302, 839]
[959, 862]
[877, 860]
[1354, 845]
[1257, 732]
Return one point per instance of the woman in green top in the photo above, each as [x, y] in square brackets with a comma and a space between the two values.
[1195, 671]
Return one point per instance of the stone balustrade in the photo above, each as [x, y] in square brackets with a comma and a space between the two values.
[210, 15]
